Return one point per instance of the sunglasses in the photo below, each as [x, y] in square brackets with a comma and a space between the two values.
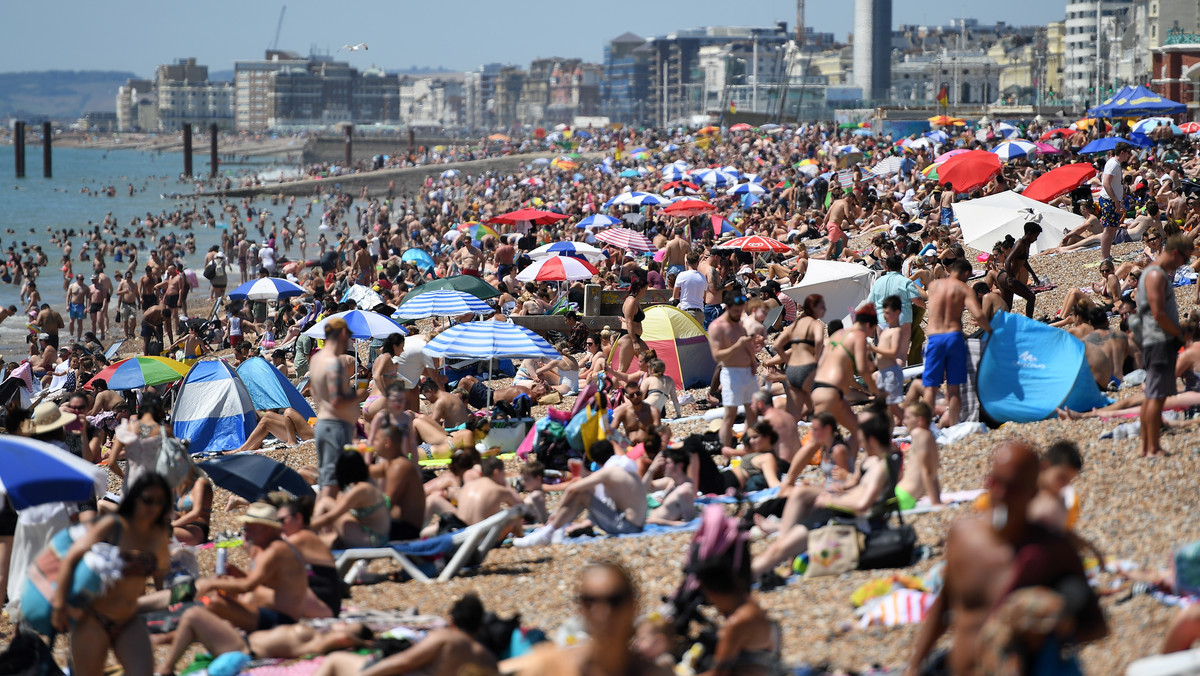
[152, 501]
[615, 600]
[739, 300]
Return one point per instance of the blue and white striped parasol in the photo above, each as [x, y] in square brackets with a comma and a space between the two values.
[34, 472]
[598, 221]
[490, 340]
[674, 172]
[267, 288]
[362, 325]
[746, 189]
[572, 249]
[442, 303]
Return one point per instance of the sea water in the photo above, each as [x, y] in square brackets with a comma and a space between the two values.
[34, 206]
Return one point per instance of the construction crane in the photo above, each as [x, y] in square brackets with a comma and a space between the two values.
[278, 28]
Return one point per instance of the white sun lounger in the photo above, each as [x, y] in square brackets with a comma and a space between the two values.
[465, 543]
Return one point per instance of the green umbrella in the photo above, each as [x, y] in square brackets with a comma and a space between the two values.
[465, 283]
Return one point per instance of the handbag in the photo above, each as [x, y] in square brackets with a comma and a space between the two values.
[832, 550]
[888, 548]
[173, 461]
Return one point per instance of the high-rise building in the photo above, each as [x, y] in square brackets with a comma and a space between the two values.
[1087, 50]
[185, 95]
[873, 48]
[626, 85]
[252, 82]
[479, 91]
[131, 97]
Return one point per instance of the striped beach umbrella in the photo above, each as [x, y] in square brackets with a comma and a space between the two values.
[557, 269]
[757, 244]
[441, 303]
[138, 372]
[490, 340]
[1014, 150]
[267, 288]
[35, 472]
[362, 325]
[746, 189]
[624, 238]
[580, 250]
[598, 221]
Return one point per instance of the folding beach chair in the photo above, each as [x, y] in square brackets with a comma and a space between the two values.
[468, 544]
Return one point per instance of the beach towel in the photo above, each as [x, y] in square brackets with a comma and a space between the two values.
[649, 531]
[903, 606]
[285, 667]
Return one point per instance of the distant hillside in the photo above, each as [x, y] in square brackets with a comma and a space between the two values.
[59, 94]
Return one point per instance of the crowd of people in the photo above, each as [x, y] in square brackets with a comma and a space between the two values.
[797, 386]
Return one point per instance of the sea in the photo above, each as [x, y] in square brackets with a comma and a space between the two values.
[33, 206]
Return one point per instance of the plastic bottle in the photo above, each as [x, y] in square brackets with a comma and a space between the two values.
[222, 558]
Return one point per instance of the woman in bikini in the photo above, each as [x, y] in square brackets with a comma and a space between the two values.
[359, 516]
[1104, 293]
[384, 372]
[632, 317]
[841, 361]
[802, 343]
[562, 374]
[1012, 279]
[140, 530]
[659, 389]
[193, 504]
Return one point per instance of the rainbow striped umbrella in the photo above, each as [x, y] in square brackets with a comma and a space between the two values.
[137, 372]
[477, 230]
[931, 171]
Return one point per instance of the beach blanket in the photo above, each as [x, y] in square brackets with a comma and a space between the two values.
[649, 531]
[948, 500]
[284, 667]
[902, 606]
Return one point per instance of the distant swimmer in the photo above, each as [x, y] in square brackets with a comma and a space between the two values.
[354, 48]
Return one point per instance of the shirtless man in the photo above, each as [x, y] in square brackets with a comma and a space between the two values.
[446, 408]
[487, 494]
[676, 252]
[1090, 226]
[152, 327]
[1009, 280]
[621, 508]
[50, 323]
[127, 304]
[637, 417]
[401, 477]
[362, 267]
[468, 257]
[718, 282]
[733, 351]
[450, 651]
[106, 399]
[76, 308]
[920, 477]
[337, 399]
[96, 302]
[146, 288]
[504, 257]
[271, 594]
[946, 347]
[946, 201]
[172, 294]
[678, 506]
[998, 553]
[106, 286]
[782, 422]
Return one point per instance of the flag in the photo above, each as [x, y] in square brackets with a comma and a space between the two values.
[732, 108]
[943, 97]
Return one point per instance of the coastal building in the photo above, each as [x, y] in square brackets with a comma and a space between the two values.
[1167, 16]
[137, 101]
[969, 78]
[252, 82]
[625, 87]
[432, 102]
[1090, 25]
[509, 84]
[1031, 72]
[1175, 71]
[479, 91]
[185, 95]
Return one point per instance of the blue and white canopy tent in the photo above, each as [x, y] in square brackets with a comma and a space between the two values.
[213, 410]
[270, 389]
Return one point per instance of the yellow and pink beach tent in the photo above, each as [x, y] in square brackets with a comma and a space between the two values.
[681, 342]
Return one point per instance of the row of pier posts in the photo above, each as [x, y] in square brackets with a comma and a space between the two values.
[48, 136]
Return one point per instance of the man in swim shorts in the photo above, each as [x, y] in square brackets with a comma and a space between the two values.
[733, 351]
[76, 307]
[920, 477]
[1112, 197]
[946, 348]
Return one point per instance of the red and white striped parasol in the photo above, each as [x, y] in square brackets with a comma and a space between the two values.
[557, 269]
[625, 238]
[756, 244]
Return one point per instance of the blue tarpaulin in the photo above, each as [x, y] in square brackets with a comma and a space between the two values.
[270, 389]
[1137, 102]
[1029, 369]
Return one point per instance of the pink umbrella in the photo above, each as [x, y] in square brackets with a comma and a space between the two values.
[625, 238]
[953, 153]
[1047, 149]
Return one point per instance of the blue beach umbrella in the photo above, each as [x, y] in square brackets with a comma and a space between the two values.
[490, 340]
[418, 257]
[442, 303]
[1103, 145]
[267, 288]
[362, 325]
[35, 472]
[598, 221]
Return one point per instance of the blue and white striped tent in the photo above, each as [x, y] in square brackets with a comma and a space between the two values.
[490, 340]
[269, 388]
[442, 303]
[214, 411]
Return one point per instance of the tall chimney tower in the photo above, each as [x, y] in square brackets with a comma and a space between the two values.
[799, 23]
[873, 48]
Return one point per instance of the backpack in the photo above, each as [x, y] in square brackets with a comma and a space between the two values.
[210, 270]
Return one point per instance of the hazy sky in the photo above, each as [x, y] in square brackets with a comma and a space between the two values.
[137, 35]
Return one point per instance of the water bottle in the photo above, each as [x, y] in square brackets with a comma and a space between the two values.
[355, 570]
[222, 557]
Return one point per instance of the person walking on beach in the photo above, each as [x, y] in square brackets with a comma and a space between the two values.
[733, 350]
[1112, 197]
[127, 303]
[1161, 336]
[946, 346]
[76, 307]
[337, 401]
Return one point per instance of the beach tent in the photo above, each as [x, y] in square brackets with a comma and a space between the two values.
[987, 220]
[213, 411]
[1137, 102]
[681, 342]
[843, 285]
[1030, 369]
[269, 388]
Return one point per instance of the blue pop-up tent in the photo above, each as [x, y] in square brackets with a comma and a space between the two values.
[1136, 101]
[213, 411]
[270, 389]
[1030, 369]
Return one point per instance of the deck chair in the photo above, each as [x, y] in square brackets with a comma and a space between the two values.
[470, 543]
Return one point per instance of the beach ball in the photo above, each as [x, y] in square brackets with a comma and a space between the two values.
[800, 564]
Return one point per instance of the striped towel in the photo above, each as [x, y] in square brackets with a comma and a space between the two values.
[845, 178]
[903, 606]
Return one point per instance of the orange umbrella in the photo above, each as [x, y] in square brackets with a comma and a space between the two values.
[946, 121]
[499, 137]
[1087, 122]
[709, 130]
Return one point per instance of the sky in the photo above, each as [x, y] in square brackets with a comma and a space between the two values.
[137, 35]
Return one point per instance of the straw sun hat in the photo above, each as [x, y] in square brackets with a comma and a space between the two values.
[47, 417]
[261, 513]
